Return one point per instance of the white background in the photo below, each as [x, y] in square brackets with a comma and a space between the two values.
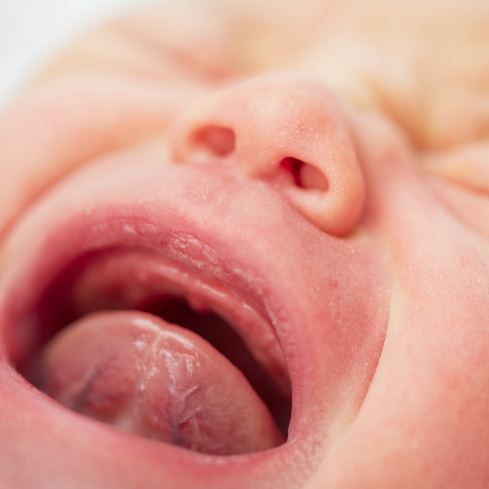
[31, 30]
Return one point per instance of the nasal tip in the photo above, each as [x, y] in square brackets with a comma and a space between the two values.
[281, 128]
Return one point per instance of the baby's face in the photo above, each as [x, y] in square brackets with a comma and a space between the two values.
[245, 248]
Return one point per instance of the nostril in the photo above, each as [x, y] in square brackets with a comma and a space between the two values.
[305, 176]
[293, 166]
[313, 178]
[215, 140]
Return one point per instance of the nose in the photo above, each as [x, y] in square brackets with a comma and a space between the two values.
[286, 130]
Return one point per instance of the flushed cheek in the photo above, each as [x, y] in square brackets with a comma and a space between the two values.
[424, 420]
[430, 389]
[64, 135]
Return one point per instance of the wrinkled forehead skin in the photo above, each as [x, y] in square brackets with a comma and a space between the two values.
[412, 81]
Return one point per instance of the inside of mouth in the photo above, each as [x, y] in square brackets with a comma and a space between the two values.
[98, 282]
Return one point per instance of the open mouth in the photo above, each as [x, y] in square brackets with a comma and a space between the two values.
[189, 308]
[153, 329]
[170, 290]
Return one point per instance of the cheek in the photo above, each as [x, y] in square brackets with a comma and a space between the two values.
[53, 131]
[424, 420]
[117, 86]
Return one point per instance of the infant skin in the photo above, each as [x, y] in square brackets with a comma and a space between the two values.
[247, 246]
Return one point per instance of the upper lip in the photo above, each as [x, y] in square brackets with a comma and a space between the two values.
[245, 229]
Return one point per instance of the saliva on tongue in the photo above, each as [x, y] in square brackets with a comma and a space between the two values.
[145, 376]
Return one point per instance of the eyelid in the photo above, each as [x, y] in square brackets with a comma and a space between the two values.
[467, 166]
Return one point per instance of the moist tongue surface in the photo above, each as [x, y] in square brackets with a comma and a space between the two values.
[146, 376]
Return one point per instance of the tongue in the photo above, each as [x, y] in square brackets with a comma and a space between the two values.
[146, 376]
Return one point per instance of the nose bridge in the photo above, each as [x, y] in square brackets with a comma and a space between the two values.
[278, 118]
[274, 123]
